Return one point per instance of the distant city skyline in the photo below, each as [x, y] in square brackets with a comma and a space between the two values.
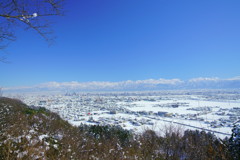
[116, 41]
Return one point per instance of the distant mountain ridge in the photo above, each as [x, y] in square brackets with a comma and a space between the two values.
[138, 85]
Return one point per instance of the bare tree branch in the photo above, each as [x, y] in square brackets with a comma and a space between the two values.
[30, 14]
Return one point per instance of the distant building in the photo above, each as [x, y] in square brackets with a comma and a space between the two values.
[113, 112]
[150, 112]
[168, 115]
[142, 112]
[90, 119]
[162, 114]
[175, 106]
[42, 103]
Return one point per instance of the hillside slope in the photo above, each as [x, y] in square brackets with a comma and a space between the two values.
[27, 133]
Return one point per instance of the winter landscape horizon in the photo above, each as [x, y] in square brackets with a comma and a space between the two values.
[129, 85]
[120, 80]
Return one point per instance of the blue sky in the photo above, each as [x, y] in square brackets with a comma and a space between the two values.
[113, 40]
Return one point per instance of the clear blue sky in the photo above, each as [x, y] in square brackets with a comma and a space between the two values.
[117, 40]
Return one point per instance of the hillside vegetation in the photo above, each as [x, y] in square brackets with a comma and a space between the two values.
[27, 133]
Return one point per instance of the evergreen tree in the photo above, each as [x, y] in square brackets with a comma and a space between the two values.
[234, 142]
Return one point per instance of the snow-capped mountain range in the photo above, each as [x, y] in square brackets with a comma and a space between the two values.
[129, 85]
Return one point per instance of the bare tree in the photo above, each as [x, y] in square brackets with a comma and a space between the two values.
[28, 14]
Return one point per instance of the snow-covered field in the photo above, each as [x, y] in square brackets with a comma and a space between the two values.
[139, 111]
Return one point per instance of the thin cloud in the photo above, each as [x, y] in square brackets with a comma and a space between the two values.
[147, 84]
[109, 85]
[201, 79]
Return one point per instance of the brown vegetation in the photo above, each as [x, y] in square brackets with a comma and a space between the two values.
[27, 133]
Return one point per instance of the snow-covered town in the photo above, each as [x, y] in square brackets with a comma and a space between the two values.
[213, 111]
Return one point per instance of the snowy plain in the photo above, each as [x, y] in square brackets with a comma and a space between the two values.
[211, 111]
